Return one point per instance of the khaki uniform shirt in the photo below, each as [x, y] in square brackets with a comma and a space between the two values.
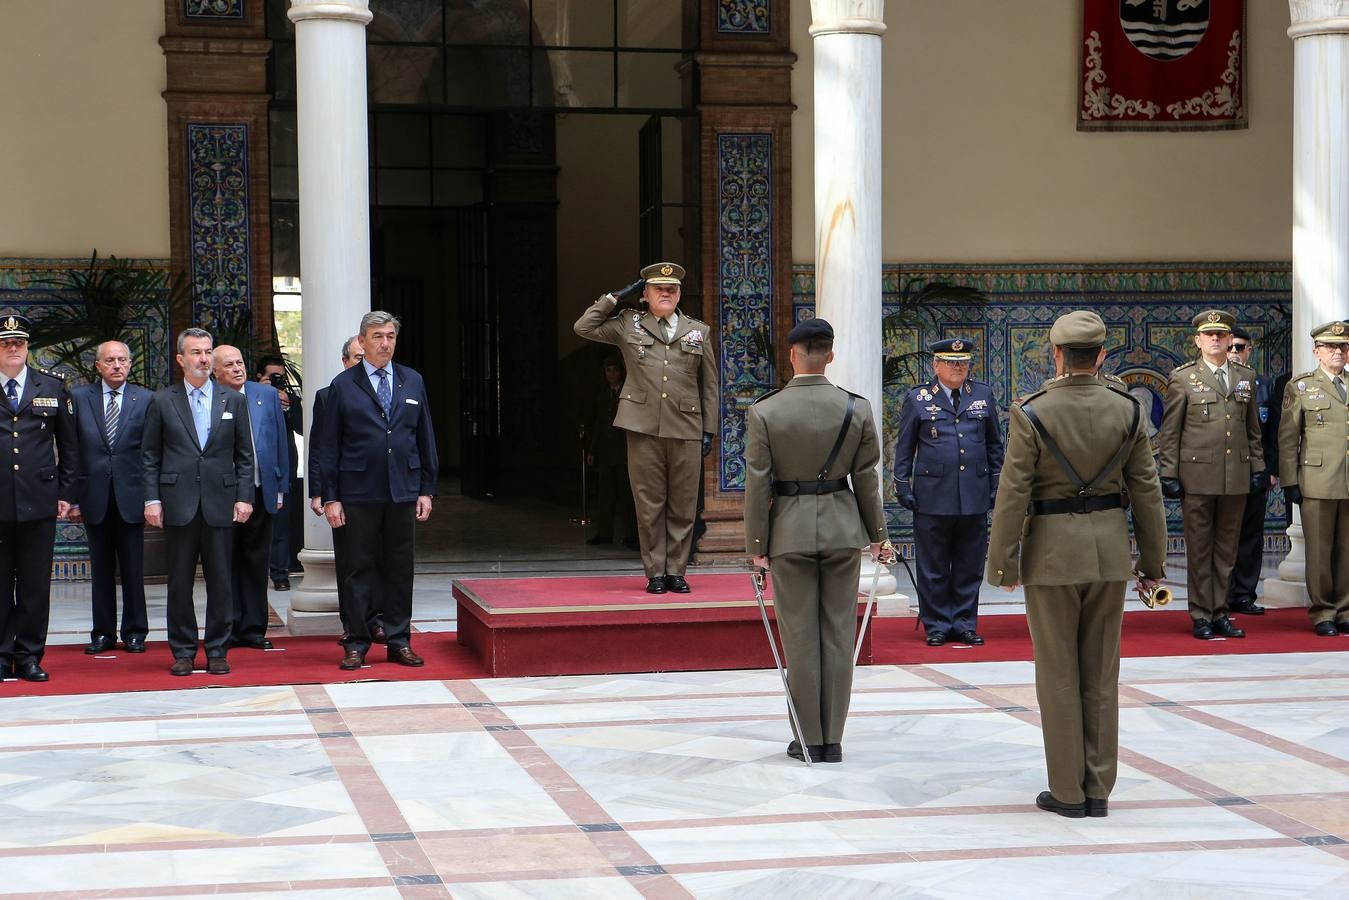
[1088, 420]
[671, 388]
[1209, 441]
[1314, 437]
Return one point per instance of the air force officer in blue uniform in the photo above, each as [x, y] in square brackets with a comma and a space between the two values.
[947, 461]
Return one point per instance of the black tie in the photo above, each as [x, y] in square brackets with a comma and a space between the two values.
[12, 394]
[110, 414]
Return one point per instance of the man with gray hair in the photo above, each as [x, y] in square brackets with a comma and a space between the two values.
[378, 465]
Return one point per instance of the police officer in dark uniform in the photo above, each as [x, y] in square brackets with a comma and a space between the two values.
[1250, 545]
[947, 461]
[37, 485]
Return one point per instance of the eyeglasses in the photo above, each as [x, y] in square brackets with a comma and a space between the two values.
[1239, 347]
[1334, 348]
[13, 343]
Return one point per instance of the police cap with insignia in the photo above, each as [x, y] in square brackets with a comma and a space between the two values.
[952, 350]
[1331, 333]
[1214, 320]
[809, 330]
[1079, 329]
[664, 273]
[14, 326]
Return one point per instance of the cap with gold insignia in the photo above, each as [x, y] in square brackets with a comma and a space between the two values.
[664, 273]
[1078, 329]
[809, 329]
[1331, 333]
[952, 350]
[14, 326]
[1213, 320]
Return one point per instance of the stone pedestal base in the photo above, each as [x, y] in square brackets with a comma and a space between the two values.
[313, 623]
[318, 589]
[894, 606]
[885, 582]
[1280, 593]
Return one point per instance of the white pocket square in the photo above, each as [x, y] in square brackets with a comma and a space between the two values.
[410, 400]
[228, 415]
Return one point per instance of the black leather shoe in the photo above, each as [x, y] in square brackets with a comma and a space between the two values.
[655, 584]
[29, 670]
[1247, 607]
[1097, 809]
[969, 636]
[677, 584]
[252, 643]
[100, 644]
[1223, 627]
[1047, 802]
[182, 666]
[1342, 626]
[1203, 629]
[1325, 629]
[816, 752]
[135, 644]
[281, 584]
[833, 753]
[936, 638]
[599, 539]
[351, 661]
[405, 657]
[217, 665]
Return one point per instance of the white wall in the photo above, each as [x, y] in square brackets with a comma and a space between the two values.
[84, 146]
[983, 162]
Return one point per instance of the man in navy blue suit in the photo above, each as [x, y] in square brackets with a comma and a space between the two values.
[109, 418]
[271, 482]
[947, 461]
[379, 465]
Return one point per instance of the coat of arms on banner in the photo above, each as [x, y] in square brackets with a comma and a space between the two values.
[1162, 65]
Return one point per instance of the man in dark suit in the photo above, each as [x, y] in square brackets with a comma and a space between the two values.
[607, 454]
[947, 461]
[198, 462]
[351, 355]
[1250, 545]
[110, 418]
[253, 539]
[271, 372]
[379, 466]
[36, 489]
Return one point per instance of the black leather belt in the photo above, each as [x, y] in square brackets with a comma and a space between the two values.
[1076, 505]
[819, 486]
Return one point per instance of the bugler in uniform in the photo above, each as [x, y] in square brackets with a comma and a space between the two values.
[1314, 469]
[947, 460]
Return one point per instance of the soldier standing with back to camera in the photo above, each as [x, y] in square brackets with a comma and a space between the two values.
[1066, 539]
[1209, 457]
[668, 403]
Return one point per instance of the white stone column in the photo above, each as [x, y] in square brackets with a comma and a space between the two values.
[1320, 33]
[848, 205]
[334, 227]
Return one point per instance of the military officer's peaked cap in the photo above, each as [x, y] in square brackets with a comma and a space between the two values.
[664, 273]
[1241, 334]
[952, 350]
[1331, 333]
[1214, 320]
[1078, 329]
[12, 326]
[809, 330]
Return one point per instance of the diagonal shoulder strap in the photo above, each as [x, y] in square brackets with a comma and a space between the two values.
[838, 441]
[1083, 487]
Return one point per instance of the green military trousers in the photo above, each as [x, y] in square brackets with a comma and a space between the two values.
[664, 476]
[1212, 530]
[1325, 527]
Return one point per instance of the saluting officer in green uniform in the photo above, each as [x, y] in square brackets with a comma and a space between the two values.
[1314, 469]
[804, 524]
[1209, 454]
[668, 403]
[1066, 538]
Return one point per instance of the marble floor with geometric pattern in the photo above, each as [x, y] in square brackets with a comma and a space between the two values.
[1234, 781]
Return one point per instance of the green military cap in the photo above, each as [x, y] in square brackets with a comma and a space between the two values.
[1214, 320]
[664, 273]
[1331, 333]
[1080, 328]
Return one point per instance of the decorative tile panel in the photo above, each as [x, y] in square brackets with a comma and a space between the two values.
[744, 17]
[218, 208]
[231, 10]
[744, 287]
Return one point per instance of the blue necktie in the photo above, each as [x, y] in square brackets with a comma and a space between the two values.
[12, 394]
[382, 393]
[200, 418]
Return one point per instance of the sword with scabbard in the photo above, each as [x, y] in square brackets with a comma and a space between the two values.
[759, 578]
[885, 558]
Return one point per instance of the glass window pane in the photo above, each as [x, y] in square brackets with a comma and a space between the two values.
[401, 140]
[672, 159]
[283, 72]
[480, 77]
[285, 238]
[458, 141]
[491, 22]
[575, 23]
[649, 23]
[674, 234]
[648, 80]
[580, 78]
[405, 20]
[405, 74]
[455, 188]
[279, 25]
[403, 188]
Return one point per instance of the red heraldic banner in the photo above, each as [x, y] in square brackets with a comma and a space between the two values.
[1162, 65]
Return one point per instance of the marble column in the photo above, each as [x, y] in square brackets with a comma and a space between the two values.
[1320, 33]
[847, 48]
[334, 225]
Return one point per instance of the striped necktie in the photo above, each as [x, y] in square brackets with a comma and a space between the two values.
[110, 418]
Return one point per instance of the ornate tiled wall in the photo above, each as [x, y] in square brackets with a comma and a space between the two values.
[214, 10]
[1147, 308]
[744, 17]
[218, 216]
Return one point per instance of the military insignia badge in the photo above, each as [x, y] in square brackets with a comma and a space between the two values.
[70, 408]
[694, 338]
[1194, 377]
[1243, 387]
[1337, 328]
[978, 404]
[923, 395]
[957, 346]
[932, 408]
[46, 402]
[934, 432]
[1302, 387]
[11, 323]
[1215, 317]
[667, 270]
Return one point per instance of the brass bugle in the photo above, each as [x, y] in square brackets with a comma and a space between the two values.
[1160, 595]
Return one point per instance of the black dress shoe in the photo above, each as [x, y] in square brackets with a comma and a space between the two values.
[1047, 802]
[1097, 809]
[1342, 626]
[600, 539]
[655, 584]
[100, 644]
[281, 584]
[1223, 627]
[1325, 629]
[29, 670]
[135, 644]
[1247, 607]
[405, 657]
[677, 584]
[182, 666]
[816, 752]
[252, 643]
[1203, 630]
[351, 661]
[969, 636]
[936, 638]
[833, 753]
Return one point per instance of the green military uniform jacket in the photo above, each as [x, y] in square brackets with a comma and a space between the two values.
[671, 388]
[1088, 420]
[790, 433]
[1208, 441]
[1314, 437]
